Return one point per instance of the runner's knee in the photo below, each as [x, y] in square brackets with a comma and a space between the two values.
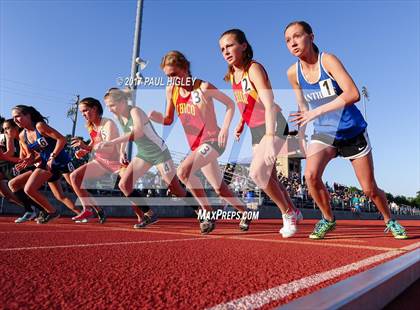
[312, 178]
[29, 190]
[125, 187]
[12, 185]
[183, 173]
[76, 179]
[371, 191]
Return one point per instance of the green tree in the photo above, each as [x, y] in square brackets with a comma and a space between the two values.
[389, 197]
[401, 200]
[353, 189]
[416, 200]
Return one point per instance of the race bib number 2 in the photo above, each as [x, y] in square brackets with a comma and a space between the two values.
[245, 85]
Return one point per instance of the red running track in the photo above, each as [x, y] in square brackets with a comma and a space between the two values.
[171, 266]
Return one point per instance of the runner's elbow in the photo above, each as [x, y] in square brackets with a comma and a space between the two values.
[168, 121]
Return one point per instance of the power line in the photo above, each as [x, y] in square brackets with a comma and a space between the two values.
[38, 87]
[24, 91]
[34, 96]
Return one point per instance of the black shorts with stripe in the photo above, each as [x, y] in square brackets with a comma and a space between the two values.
[282, 129]
[352, 148]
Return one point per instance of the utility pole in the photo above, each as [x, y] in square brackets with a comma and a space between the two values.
[365, 96]
[75, 111]
[134, 63]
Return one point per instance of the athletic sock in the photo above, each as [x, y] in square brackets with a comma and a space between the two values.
[195, 206]
[27, 201]
[137, 194]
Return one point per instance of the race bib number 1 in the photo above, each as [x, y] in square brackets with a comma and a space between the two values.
[327, 88]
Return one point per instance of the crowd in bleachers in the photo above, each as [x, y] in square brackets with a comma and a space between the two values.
[342, 197]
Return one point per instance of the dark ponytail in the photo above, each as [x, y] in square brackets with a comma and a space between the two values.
[36, 117]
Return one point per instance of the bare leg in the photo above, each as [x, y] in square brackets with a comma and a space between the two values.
[212, 173]
[7, 193]
[365, 174]
[168, 172]
[91, 170]
[19, 181]
[318, 156]
[135, 170]
[57, 191]
[201, 157]
[266, 178]
[34, 183]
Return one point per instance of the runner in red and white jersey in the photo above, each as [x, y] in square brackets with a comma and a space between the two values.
[192, 99]
[255, 100]
[103, 162]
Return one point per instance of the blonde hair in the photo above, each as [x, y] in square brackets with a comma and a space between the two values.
[176, 58]
[117, 95]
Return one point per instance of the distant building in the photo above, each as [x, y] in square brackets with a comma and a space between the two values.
[289, 160]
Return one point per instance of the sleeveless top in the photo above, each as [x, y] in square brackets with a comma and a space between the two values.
[341, 124]
[197, 116]
[246, 96]
[45, 146]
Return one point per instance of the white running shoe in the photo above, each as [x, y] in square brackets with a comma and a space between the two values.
[290, 221]
[207, 226]
[28, 216]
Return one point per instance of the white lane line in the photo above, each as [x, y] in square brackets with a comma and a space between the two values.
[412, 246]
[53, 231]
[341, 238]
[97, 244]
[319, 243]
[262, 298]
[371, 289]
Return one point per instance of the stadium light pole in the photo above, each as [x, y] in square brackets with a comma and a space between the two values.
[134, 63]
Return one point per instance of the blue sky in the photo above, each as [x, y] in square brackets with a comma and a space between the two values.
[52, 50]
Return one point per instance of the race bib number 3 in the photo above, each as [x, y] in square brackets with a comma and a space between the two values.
[205, 150]
[327, 88]
[195, 96]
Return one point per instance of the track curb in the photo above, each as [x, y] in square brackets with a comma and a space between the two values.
[372, 289]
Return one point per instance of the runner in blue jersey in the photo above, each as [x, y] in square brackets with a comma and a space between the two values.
[47, 145]
[10, 155]
[326, 95]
